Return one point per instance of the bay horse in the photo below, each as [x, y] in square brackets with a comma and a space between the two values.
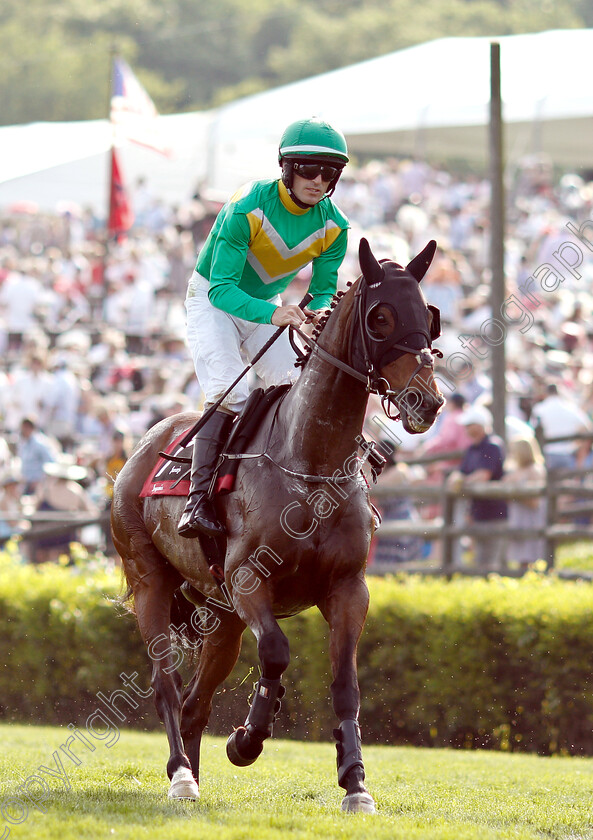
[298, 525]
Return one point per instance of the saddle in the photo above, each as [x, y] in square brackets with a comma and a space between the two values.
[170, 475]
[246, 425]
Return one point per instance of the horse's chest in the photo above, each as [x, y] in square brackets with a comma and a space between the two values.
[310, 526]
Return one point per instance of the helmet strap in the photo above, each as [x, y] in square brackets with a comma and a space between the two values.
[287, 176]
[298, 201]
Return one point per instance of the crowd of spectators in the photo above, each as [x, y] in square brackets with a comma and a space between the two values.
[92, 338]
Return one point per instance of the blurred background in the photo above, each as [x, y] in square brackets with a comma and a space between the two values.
[123, 129]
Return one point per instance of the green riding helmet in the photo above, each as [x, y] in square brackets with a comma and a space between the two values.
[311, 140]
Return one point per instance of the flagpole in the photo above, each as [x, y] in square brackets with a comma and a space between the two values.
[110, 153]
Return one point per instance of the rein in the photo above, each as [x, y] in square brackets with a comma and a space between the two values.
[310, 479]
[333, 360]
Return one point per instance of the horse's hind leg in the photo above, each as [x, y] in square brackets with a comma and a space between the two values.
[221, 643]
[345, 610]
[246, 743]
[153, 596]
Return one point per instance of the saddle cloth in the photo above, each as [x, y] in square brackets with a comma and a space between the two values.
[171, 478]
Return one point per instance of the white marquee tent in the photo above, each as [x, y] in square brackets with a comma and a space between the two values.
[50, 164]
[430, 100]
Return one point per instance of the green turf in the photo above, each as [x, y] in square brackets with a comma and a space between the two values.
[291, 791]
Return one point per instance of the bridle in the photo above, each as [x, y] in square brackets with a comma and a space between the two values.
[361, 355]
[425, 356]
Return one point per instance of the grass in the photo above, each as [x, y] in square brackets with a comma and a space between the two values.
[291, 791]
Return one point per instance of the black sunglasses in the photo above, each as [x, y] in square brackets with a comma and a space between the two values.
[309, 171]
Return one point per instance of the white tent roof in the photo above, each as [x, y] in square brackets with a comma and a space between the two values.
[432, 99]
[49, 163]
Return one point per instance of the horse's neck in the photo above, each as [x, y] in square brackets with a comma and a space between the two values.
[325, 410]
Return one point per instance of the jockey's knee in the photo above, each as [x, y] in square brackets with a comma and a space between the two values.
[231, 403]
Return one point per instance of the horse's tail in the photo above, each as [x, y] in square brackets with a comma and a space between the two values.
[125, 598]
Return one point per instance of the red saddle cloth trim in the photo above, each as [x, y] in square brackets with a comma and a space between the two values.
[224, 484]
[167, 477]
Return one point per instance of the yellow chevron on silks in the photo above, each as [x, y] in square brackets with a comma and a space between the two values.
[272, 259]
[238, 194]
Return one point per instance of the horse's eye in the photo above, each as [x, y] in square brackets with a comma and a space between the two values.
[380, 324]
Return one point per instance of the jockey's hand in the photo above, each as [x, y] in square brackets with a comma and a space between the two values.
[291, 316]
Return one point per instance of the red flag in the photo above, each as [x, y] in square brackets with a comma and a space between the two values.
[133, 113]
[121, 216]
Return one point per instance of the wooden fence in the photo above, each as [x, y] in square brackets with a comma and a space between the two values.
[568, 509]
[568, 495]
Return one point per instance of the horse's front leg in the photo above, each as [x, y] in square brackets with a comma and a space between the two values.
[246, 743]
[345, 611]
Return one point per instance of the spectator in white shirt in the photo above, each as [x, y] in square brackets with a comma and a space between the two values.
[559, 416]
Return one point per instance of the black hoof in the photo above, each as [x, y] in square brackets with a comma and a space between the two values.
[241, 750]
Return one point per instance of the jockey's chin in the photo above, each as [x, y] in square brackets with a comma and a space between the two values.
[309, 192]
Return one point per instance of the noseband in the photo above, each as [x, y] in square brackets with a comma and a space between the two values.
[424, 358]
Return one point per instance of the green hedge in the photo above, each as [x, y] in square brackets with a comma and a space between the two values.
[499, 663]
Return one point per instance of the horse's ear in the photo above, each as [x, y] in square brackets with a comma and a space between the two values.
[372, 271]
[419, 265]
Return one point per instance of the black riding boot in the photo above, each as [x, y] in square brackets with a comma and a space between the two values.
[199, 516]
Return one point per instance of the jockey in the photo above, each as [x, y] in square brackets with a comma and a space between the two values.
[265, 234]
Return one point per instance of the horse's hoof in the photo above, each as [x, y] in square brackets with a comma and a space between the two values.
[183, 785]
[241, 751]
[359, 803]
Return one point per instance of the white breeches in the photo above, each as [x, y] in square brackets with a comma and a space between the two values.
[222, 345]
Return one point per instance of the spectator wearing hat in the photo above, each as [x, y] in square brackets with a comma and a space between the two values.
[61, 492]
[11, 523]
[559, 416]
[398, 549]
[482, 462]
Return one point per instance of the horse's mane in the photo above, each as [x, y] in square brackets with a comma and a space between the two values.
[322, 323]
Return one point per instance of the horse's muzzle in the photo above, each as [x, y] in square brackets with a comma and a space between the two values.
[418, 410]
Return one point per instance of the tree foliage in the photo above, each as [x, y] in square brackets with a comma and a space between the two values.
[55, 57]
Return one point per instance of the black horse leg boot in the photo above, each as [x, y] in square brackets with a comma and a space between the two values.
[199, 516]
